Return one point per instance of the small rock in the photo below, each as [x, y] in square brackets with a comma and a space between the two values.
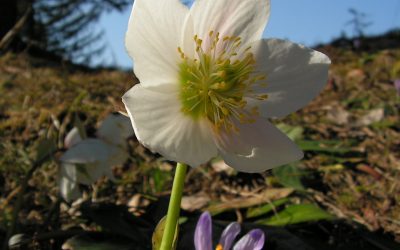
[338, 115]
[373, 116]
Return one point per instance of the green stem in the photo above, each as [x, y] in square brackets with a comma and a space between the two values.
[174, 207]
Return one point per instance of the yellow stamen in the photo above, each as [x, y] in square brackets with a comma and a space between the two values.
[214, 85]
[219, 247]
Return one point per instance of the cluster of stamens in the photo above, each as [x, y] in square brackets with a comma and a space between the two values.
[215, 83]
[219, 247]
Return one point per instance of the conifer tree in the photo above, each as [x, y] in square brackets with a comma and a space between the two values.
[64, 28]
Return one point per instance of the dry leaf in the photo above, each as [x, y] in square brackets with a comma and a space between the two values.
[195, 202]
[261, 198]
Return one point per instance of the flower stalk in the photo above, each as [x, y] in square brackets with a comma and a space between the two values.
[174, 207]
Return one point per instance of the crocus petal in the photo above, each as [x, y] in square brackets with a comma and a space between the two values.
[397, 85]
[153, 36]
[253, 240]
[256, 147]
[295, 75]
[229, 234]
[72, 138]
[115, 129]
[160, 126]
[203, 232]
[246, 19]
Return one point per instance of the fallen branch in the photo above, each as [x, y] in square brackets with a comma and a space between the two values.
[10, 35]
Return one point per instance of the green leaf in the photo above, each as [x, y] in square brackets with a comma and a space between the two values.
[182, 220]
[44, 148]
[160, 179]
[293, 132]
[158, 234]
[258, 211]
[324, 146]
[289, 176]
[297, 214]
[384, 124]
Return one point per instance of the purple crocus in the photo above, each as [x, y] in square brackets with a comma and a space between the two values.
[397, 85]
[253, 240]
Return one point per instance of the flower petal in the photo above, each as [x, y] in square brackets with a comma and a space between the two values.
[295, 75]
[72, 138]
[153, 36]
[160, 125]
[93, 158]
[253, 240]
[246, 19]
[229, 234]
[87, 151]
[256, 147]
[397, 85]
[69, 189]
[117, 155]
[203, 232]
[115, 129]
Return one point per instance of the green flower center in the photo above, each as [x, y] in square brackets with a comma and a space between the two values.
[215, 83]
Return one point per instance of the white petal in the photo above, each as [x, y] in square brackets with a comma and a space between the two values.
[257, 147]
[160, 125]
[188, 44]
[117, 154]
[89, 173]
[153, 36]
[115, 129]
[246, 19]
[295, 75]
[69, 189]
[87, 151]
[72, 138]
[93, 158]
[68, 171]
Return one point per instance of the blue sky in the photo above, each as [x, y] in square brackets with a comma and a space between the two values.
[303, 21]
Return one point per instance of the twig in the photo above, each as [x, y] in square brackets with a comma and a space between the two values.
[9, 198]
[9, 36]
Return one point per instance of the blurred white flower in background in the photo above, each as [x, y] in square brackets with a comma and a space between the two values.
[87, 160]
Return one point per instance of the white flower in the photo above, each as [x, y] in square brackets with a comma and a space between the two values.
[208, 82]
[115, 129]
[86, 160]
